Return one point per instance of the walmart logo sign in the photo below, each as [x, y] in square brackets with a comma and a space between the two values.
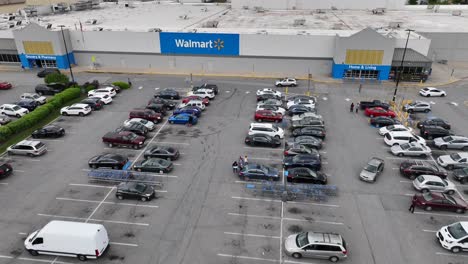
[199, 44]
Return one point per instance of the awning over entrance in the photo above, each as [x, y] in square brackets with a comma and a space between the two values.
[412, 59]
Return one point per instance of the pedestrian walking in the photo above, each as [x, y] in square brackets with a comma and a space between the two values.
[246, 161]
[351, 108]
[235, 167]
[357, 107]
[129, 82]
[411, 209]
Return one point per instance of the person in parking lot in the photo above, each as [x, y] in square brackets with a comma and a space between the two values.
[357, 108]
[351, 108]
[235, 167]
[411, 208]
[246, 161]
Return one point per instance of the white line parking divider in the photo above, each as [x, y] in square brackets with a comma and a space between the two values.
[285, 218]
[99, 205]
[250, 235]
[94, 220]
[429, 231]
[175, 143]
[123, 244]
[451, 255]
[147, 145]
[447, 215]
[7, 257]
[3, 183]
[245, 257]
[93, 201]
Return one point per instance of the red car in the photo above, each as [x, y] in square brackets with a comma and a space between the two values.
[147, 114]
[187, 99]
[5, 85]
[379, 111]
[439, 201]
[268, 115]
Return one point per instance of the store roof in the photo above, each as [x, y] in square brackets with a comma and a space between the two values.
[410, 56]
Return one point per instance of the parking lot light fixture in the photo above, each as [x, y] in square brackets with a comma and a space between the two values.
[400, 70]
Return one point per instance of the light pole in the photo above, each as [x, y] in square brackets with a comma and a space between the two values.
[66, 50]
[401, 65]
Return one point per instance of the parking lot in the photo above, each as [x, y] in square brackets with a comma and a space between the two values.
[204, 213]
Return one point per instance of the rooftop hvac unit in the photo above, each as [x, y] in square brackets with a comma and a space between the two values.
[320, 11]
[299, 22]
[262, 32]
[456, 13]
[60, 8]
[91, 22]
[395, 24]
[154, 30]
[378, 11]
[211, 24]
[259, 9]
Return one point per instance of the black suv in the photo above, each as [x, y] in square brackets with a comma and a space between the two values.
[168, 94]
[46, 72]
[414, 168]
[169, 105]
[95, 103]
[303, 160]
[135, 190]
[29, 104]
[431, 132]
[136, 128]
[50, 89]
[212, 87]
[434, 122]
[158, 108]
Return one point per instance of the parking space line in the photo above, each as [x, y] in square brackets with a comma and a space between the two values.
[250, 235]
[285, 218]
[3, 183]
[22, 233]
[102, 186]
[149, 142]
[35, 160]
[19, 171]
[132, 149]
[93, 201]
[278, 201]
[406, 181]
[94, 220]
[259, 148]
[87, 170]
[447, 215]
[123, 244]
[451, 255]
[298, 262]
[99, 205]
[430, 231]
[254, 158]
[176, 164]
[319, 204]
[245, 257]
[175, 143]
[45, 261]
[7, 257]
[407, 158]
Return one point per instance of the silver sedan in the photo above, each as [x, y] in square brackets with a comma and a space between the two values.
[411, 149]
[452, 142]
[372, 169]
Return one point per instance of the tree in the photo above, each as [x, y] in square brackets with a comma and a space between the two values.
[56, 78]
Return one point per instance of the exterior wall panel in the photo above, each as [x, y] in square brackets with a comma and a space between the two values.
[447, 46]
[321, 4]
[115, 41]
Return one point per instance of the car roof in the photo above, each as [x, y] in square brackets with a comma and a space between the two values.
[375, 161]
[28, 143]
[431, 178]
[331, 238]
[260, 125]
[10, 105]
[80, 105]
[401, 133]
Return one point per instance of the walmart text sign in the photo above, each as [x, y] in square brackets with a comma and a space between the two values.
[199, 44]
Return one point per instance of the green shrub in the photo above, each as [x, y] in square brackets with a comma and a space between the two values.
[69, 94]
[57, 78]
[5, 133]
[122, 85]
[89, 88]
[19, 125]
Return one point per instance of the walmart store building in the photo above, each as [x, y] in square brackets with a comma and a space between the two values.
[365, 54]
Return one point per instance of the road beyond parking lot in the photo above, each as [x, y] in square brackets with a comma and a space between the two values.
[205, 214]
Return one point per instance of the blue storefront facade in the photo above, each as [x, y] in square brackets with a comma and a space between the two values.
[356, 71]
[46, 61]
[213, 44]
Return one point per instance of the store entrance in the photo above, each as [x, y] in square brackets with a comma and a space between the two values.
[43, 63]
[361, 74]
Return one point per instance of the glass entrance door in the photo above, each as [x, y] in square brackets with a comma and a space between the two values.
[49, 63]
[361, 74]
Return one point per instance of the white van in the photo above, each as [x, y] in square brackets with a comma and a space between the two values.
[70, 239]
[402, 137]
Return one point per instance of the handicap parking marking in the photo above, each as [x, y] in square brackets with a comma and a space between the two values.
[246, 257]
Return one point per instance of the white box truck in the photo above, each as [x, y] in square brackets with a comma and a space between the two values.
[70, 239]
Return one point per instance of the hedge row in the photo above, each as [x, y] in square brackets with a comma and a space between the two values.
[122, 85]
[41, 112]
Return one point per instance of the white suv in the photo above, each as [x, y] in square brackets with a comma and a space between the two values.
[286, 82]
[454, 237]
[401, 137]
[13, 110]
[454, 160]
[34, 96]
[106, 90]
[204, 93]
[76, 109]
[269, 129]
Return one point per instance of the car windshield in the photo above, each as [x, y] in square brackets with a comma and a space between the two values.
[143, 121]
[140, 187]
[390, 127]
[305, 149]
[16, 108]
[275, 128]
[447, 139]
[132, 136]
[427, 196]
[420, 179]
[455, 156]
[457, 230]
[35, 96]
[405, 146]
[302, 239]
[370, 168]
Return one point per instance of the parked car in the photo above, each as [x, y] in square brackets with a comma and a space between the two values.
[452, 142]
[307, 115]
[273, 102]
[263, 128]
[27, 147]
[295, 149]
[123, 138]
[306, 175]
[379, 111]
[110, 91]
[204, 93]
[195, 111]
[426, 183]
[169, 105]
[300, 109]
[402, 137]
[454, 160]
[269, 91]
[300, 96]
[439, 201]
[154, 165]
[263, 140]
[193, 103]
[147, 114]
[434, 121]
[5, 170]
[148, 124]
[162, 152]
[4, 119]
[136, 128]
[414, 168]
[13, 110]
[303, 160]
[264, 97]
[93, 102]
[317, 132]
[211, 86]
[187, 99]
[307, 123]
[108, 160]
[116, 88]
[5, 85]
[373, 168]
[394, 128]
[431, 91]
[49, 131]
[382, 121]
[273, 108]
[301, 101]
[183, 118]
[28, 104]
[410, 149]
[461, 174]
[318, 245]
[254, 171]
[454, 237]
[267, 115]
[158, 108]
[76, 109]
[105, 98]
[135, 190]
[309, 141]
[286, 82]
[417, 106]
[49, 89]
[168, 93]
[431, 132]
[374, 103]
[34, 96]
[46, 71]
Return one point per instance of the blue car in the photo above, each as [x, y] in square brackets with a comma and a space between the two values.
[183, 118]
[256, 171]
[192, 110]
